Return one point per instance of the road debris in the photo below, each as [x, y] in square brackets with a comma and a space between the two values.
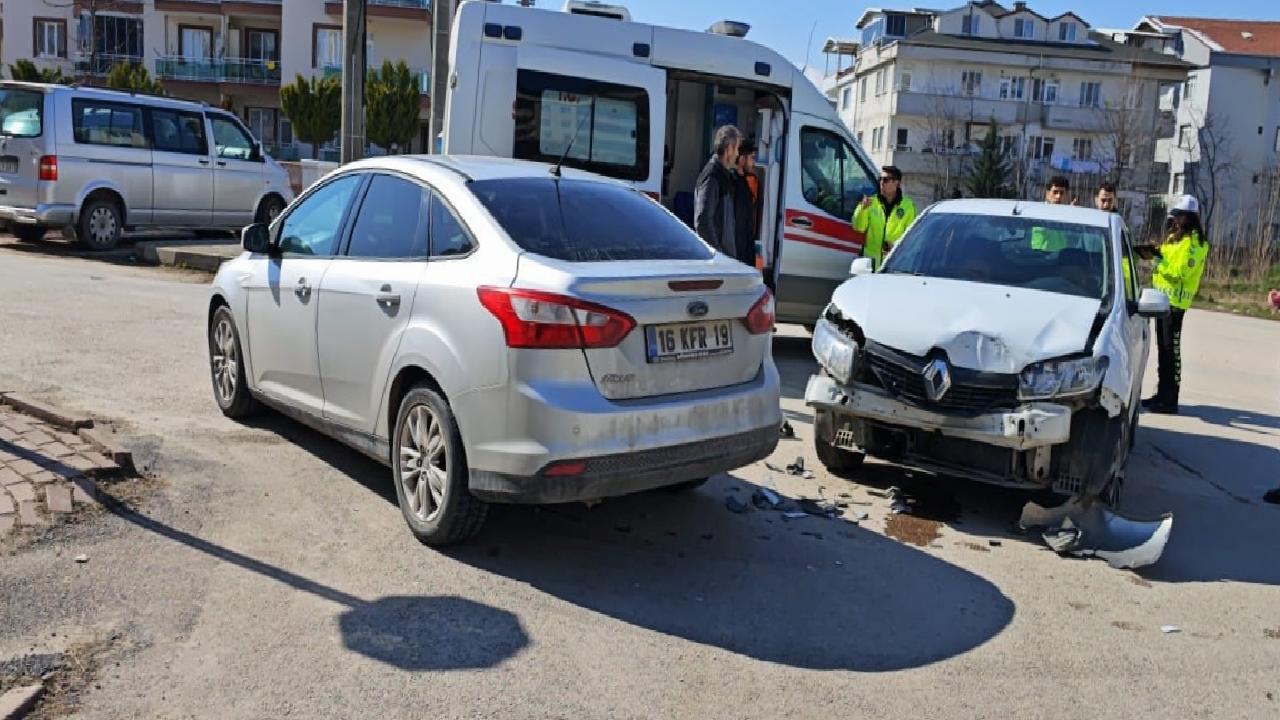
[877, 493]
[911, 529]
[795, 515]
[786, 430]
[820, 508]
[994, 543]
[736, 506]
[1170, 629]
[815, 535]
[797, 469]
[765, 499]
[1088, 528]
[974, 546]
[82, 558]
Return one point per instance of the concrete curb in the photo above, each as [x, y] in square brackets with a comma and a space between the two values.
[119, 456]
[207, 256]
[48, 413]
[19, 701]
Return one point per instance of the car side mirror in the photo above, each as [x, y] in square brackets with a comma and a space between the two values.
[1153, 304]
[862, 266]
[256, 238]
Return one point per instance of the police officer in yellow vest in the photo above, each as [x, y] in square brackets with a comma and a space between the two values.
[885, 217]
[1179, 265]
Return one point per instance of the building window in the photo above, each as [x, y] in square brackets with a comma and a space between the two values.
[1013, 88]
[262, 45]
[326, 46]
[862, 91]
[1024, 28]
[1067, 32]
[971, 82]
[262, 123]
[879, 81]
[860, 138]
[971, 25]
[1179, 183]
[1082, 149]
[903, 143]
[846, 98]
[50, 38]
[195, 43]
[904, 81]
[1008, 145]
[895, 25]
[1184, 137]
[117, 35]
[1277, 144]
[1189, 86]
[1040, 148]
[1090, 94]
[1045, 91]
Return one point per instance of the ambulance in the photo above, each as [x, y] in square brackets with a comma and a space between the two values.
[640, 103]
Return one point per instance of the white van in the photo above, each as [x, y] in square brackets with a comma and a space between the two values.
[643, 102]
[102, 161]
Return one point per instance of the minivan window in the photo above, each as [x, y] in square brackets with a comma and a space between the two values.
[94, 122]
[388, 223]
[180, 132]
[230, 140]
[831, 177]
[1002, 251]
[603, 126]
[587, 221]
[312, 227]
[21, 113]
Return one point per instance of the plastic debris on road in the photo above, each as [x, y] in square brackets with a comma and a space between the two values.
[734, 505]
[1170, 629]
[1091, 529]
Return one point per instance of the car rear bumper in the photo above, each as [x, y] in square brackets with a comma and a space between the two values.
[515, 432]
[43, 214]
[1030, 426]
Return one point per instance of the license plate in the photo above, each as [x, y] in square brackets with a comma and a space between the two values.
[8, 164]
[688, 341]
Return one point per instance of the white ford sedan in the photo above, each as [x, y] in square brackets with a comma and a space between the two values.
[498, 332]
[1002, 341]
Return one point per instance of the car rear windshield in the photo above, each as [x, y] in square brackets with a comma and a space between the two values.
[21, 113]
[587, 221]
[1018, 252]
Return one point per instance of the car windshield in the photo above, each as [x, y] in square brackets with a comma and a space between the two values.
[21, 113]
[1015, 251]
[587, 221]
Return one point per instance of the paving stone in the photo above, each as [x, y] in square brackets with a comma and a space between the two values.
[84, 491]
[7, 435]
[57, 450]
[26, 445]
[6, 523]
[66, 473]
[43, 478]
[39, 438]
[6, 456]
[6, 505]
[22, 492]
[102, 462]
[79, 462]
[29, 514]
[67, 438]
[24, 467]
[58, 498]
[9, 476]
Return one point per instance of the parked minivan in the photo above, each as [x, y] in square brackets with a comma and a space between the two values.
[103, 161]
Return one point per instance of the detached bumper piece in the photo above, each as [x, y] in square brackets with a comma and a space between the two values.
[1090, 529]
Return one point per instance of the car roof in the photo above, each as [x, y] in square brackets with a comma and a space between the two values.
[110, 94]
[1027, 209]
[477, 167]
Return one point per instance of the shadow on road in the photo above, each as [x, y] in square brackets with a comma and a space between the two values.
[1233, 418]
[56, 246]
[412, 633]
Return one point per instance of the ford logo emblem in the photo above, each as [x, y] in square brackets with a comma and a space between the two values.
[697, 308]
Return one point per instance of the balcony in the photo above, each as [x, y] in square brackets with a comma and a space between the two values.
[424, 77]
[100, 64]
[399, 9]
[227, 70]
[243, 7]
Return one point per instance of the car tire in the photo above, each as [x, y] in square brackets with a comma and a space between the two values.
[687, 485]
[269, 209]
[29, 233]
[99, 225]
[429, 467]
[837, 460]
[226, 367]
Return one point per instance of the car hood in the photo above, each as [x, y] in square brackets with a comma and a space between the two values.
[991, 328]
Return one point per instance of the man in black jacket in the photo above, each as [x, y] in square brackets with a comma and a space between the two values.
[713, 205]
[744, 203]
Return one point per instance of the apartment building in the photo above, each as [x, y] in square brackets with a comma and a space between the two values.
[232, 53]
[1226, 149]
[1065, 100]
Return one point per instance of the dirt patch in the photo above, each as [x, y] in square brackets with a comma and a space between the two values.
[1272, 633]
[1139, 581]
[66, 676]
[977, 547]
[1077, 605]
[1125, 625]
[911, 529]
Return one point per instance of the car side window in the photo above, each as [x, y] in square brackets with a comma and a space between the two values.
[312, 227]
[179, 132]
[230, 140]
[449, 236]
[388, 224]
[831, 177]
[105, 123]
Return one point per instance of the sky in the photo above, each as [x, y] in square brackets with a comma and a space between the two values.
[786, 25]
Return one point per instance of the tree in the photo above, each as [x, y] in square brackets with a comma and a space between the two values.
[946, 158]
[989, 177]
[392, 101]
[1212, 164]
[26, 71]
[133, 78]
[314, 107]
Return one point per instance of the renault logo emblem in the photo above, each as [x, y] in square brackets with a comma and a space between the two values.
[698, 308]
[937, 379]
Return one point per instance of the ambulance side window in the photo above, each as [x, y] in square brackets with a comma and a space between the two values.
[831, 177]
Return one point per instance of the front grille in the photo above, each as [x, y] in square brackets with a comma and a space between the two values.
[971, 393]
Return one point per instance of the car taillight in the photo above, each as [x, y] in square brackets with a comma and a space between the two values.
[760, 318]
[536, 319]
[48, 167]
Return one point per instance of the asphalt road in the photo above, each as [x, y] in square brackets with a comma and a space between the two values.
[269, 573]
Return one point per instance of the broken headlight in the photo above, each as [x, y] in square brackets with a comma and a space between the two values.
[1061, 378]
[834, 351]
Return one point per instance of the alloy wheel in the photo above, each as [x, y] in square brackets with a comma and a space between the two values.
[226, 365]
[424, 462]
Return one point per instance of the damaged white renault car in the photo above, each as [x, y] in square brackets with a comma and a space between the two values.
[1002, 341]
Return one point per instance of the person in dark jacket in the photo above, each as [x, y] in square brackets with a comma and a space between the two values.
[713, 207]
[744, 203]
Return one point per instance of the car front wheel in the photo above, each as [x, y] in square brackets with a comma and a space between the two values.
[29, 233]
[100, 225]
[431, 474]
[226, 367]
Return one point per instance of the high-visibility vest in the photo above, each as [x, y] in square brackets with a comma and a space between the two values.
[1180, 267]
[881, 231]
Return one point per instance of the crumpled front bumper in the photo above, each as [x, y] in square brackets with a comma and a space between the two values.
[1030, 426]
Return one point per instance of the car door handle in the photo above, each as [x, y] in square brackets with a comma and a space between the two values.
[203, 161]
[222, 163]
[803, 222]
[303, 290]
[387, 299]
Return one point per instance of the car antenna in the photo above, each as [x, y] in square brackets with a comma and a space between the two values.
[1017, 208]
[556, 170]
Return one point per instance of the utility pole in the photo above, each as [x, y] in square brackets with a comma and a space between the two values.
[442, 18]
[353, 73]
